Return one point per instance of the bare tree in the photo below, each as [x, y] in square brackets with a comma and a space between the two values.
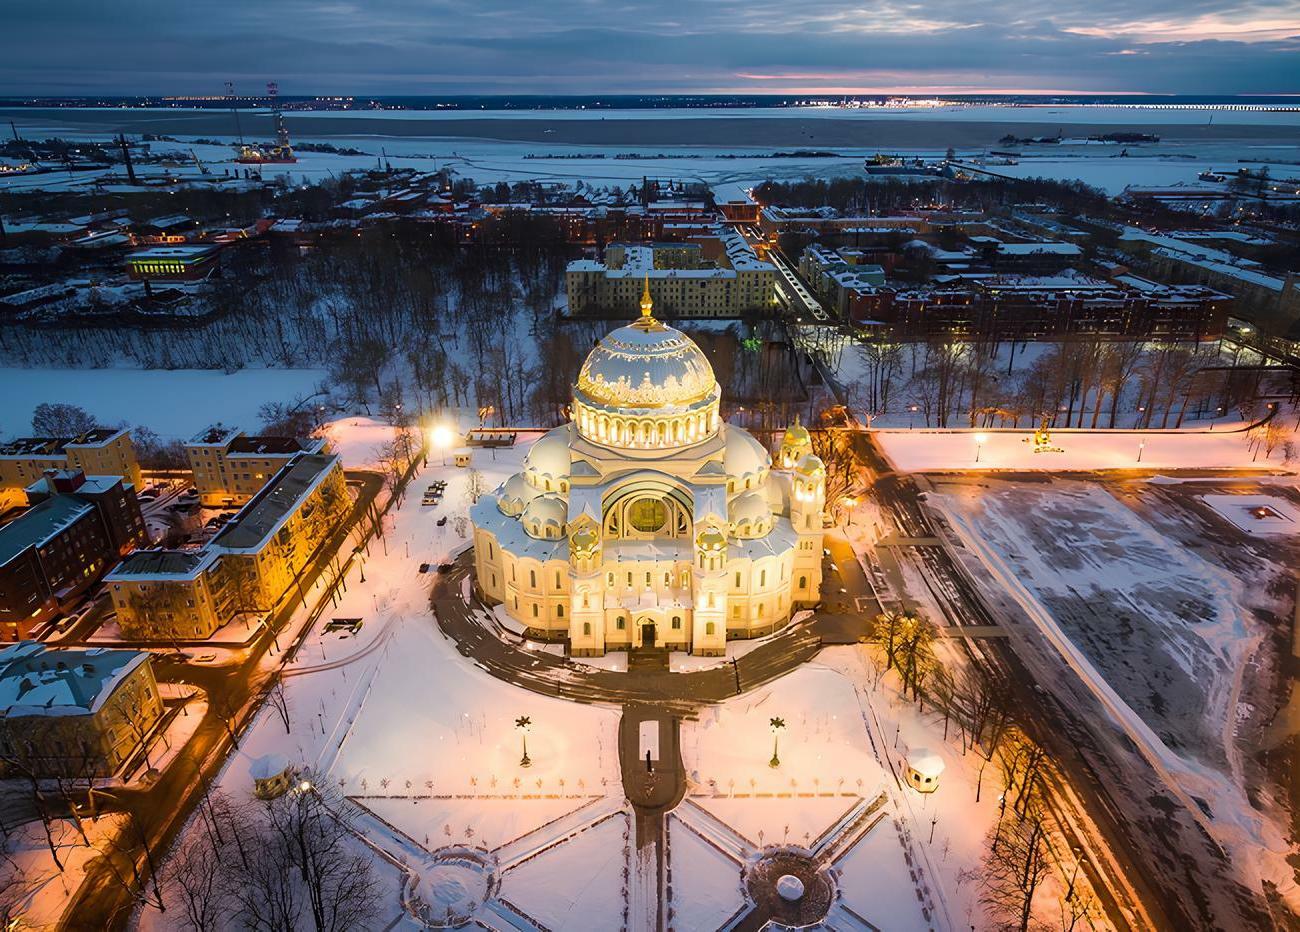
[56, 419]
[1014, 867]
[197, 876]
[474, 486]
[279, 700]
[268, 896]
[313, 831]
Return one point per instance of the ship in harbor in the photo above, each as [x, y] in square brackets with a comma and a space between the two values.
[281, 153]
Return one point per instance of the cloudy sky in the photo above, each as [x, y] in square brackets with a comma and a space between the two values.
[638, 46]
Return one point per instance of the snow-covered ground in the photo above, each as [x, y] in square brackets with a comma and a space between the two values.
[944, 450]
[846, 737]
[177, 403]
[707, 159]
[1163, 635]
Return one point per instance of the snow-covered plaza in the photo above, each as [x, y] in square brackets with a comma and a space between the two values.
[424, 741]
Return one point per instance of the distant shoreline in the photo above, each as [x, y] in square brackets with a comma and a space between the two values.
[918, 130]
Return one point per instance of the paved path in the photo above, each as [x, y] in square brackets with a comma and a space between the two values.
[676, 693]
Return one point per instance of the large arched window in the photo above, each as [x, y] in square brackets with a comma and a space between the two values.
[647, 515]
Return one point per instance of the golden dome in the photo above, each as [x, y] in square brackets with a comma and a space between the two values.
[811, 466]
[796, 435]
[646, 365]
[711, 539]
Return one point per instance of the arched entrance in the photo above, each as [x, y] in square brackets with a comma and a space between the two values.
[649, 634]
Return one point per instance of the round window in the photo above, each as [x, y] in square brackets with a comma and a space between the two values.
[648, 515]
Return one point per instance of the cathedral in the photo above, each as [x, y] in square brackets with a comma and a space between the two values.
[647, 521]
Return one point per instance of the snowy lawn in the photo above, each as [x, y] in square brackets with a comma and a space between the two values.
[176, 403]
[578, 885]
[489, 822]
[706, 883]
[823, 747]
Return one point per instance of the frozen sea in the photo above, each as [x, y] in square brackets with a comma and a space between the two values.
[725, 147]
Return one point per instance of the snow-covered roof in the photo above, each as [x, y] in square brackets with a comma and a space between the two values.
[925, 762]
[40, 680]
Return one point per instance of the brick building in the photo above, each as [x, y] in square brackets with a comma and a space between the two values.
[77, 528]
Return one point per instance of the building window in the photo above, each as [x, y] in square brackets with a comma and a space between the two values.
[677, 623]
[619, 623]
[586, 628]
[647, 515]
[803, 582]
[559, 611]
[532, 579]
[534, 609]
[708, 628]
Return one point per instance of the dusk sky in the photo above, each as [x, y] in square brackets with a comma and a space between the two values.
[639, 46]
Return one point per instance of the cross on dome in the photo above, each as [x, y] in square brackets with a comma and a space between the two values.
[646, 321]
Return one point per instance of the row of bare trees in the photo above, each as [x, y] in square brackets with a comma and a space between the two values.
[1078, 383]
[1026, 846]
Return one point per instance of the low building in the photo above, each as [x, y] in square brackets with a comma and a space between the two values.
[715, 276]
[839, 277]
[231, 467]
[247, 567]
[76, 529]
[167, 594]
[1046, 307]
[102, 451]
[72, 712]
[173, 263]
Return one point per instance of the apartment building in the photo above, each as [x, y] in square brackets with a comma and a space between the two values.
[247, 567]
[714, 276]
[231, 467]
[73, 712]
[76, 529]
[102, 451]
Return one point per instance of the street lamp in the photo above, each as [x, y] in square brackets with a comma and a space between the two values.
[1142, 444]
[523, 723]
[1078, 862]
[776, 725]
[850, 503]
[980, 440]
[441, 438]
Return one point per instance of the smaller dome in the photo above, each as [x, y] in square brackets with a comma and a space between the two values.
[514, 495]
[585, 541]
[711, 539]
[811, 466]
[750, 515]
[796, 435]
[545, 516]
[549, 459]
[744, 455]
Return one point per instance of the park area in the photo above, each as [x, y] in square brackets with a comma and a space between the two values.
[1175, 616]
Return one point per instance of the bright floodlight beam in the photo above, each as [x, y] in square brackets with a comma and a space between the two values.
[441, 437]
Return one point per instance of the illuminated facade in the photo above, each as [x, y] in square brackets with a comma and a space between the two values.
[648, 522]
